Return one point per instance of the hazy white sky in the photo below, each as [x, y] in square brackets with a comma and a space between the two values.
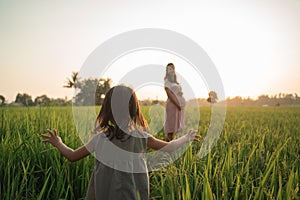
[255, 45]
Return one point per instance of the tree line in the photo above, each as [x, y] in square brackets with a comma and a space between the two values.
[86, 95]
[266, 100]
[280, 99]
[88, 92]
[91, 91]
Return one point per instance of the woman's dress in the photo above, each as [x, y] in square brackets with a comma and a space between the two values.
[174, 118]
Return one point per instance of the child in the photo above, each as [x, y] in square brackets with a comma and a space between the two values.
[120, 144]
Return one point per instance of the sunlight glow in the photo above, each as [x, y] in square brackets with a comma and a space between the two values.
[253, 44]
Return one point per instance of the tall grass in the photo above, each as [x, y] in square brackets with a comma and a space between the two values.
[256, 157]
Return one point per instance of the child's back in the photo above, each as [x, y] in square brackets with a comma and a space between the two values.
[120, 170]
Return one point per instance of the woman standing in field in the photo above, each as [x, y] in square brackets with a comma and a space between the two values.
[174, 114]
[119, 143]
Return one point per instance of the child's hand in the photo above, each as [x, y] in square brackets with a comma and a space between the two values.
[192, 135]
[53, 139]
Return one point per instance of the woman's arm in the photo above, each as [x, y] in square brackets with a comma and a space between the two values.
[67, 152]
[172, 97]
[158, 144]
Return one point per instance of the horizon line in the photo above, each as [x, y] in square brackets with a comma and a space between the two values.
[158, 99]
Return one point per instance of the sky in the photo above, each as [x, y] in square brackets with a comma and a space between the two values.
[253, 44]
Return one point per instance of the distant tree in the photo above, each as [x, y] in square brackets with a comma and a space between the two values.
[238, 100]
[263, 99]
[290, 99]
[248, 101]
[289, 96]
[42, 100]
[146, 102]
[24, 99]
[90, 91]
[2, 100]
[212, 97]
[103, 86]
[60, 102]
[86, 95]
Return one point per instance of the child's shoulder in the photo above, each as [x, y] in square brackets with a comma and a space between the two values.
[98, 136]
[135, 134]
[141, 134]
[138, 133]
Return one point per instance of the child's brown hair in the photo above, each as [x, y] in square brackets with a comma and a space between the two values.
[120, 113]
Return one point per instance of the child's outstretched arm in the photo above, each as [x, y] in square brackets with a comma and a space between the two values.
[67, 152]
[158, 144]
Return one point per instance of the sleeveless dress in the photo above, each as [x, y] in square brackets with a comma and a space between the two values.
[120, 169]
[174, 118]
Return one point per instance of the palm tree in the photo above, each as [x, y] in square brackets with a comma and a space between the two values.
[73, 82]
[88, 91]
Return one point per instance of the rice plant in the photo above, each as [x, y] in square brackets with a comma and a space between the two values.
[256, 157]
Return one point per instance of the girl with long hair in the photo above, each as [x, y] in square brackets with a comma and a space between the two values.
[120, 142]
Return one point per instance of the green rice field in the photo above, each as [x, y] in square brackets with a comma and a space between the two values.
[256, 157]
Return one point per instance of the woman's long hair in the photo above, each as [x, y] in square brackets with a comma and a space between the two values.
[167, 76]
[120, 113]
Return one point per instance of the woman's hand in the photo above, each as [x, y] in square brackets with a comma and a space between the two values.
[53, 139]
[192, 135]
